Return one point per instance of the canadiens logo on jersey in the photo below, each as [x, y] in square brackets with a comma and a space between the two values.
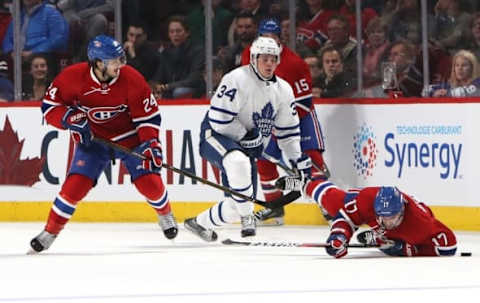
[105, 114]
[264, 122]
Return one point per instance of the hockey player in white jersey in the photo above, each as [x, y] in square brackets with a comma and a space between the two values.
[250, 105]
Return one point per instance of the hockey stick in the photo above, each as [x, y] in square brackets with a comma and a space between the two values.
[279, 202]
[289, 244]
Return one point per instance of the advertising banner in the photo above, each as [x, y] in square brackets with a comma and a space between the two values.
[424, 149]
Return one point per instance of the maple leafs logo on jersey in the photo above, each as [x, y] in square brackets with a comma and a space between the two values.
[264, 122]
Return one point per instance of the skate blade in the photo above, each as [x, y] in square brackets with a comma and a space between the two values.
[31, 251]
[271, 222]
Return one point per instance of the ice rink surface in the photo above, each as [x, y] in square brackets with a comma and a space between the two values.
[135, 263]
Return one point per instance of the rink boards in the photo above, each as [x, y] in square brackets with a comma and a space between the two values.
[426, 149]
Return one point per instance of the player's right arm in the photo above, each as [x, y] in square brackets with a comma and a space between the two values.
[58, 98]
[225, 107]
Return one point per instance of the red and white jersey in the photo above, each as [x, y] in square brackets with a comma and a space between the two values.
[295, 71]
[313, 33]
[356, 207]
[123, 110]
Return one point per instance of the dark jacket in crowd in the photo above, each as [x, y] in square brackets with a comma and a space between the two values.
[146, 60]
[341, 85]
[181, 66]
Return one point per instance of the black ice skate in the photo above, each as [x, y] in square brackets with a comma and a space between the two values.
[270, 217]
[169, 225]
[367, 237]
[248, 226]
[208, 235]
[41, 242]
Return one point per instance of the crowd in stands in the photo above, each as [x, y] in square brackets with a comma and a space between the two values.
[165, 41]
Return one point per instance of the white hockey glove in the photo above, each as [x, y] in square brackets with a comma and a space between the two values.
[301, 172]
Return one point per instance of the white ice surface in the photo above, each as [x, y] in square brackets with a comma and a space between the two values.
[135, 263]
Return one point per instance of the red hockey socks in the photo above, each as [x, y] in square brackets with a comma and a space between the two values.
[74, 189]
[151, 187]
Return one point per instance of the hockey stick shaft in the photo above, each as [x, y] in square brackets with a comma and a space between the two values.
[290, 244]
[284, 200]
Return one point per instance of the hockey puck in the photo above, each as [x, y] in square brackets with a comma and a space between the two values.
[466, 254]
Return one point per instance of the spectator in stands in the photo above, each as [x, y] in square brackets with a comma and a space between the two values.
[312, 28]
[89, 13]
[44, 29]
[402, 54]
[348, 11]
[375, 46]
[471, 40]
[334, 81]
[316, 72]
[464, 79]
[140, 53]
[315, 66]
[245, 33]
[405, 22]
[5, 18]
[6, 86]
[258, 8]
[87, 19]
[222, 18]
[181, 64]
[218, 70]
[277, 8]
[451, 22]
[300, 48]
[35, 83]
[339, 37]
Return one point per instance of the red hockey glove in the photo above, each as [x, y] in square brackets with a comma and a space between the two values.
[152, 150]
[337, 245]
[76, 121]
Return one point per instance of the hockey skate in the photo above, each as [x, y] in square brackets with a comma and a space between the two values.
[41, 242]
[208, 235]
[169, 225]
[270, 217]
[248, 226]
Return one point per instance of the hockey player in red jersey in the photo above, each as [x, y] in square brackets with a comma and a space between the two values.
[296, 72]
[400, 225]
[107, 99]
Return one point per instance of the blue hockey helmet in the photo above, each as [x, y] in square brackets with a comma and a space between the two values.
[105, 48]
[389, 207]
[269, 26]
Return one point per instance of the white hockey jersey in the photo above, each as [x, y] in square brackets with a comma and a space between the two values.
[243, 102]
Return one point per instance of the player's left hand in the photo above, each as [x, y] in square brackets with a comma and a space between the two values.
[337, 245]
[152, 150]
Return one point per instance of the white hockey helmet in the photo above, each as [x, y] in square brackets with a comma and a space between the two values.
[263, 45]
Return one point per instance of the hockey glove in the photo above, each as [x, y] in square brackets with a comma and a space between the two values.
[400, 248]
[301, 172]
[337, 245]
[76, 121]
[373, 238]
[252, 143]
[152, 150]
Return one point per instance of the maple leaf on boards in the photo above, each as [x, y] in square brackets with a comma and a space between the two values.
[12, 169]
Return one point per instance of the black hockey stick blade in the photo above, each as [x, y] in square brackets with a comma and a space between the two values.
[289, 244]
[282, 201]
